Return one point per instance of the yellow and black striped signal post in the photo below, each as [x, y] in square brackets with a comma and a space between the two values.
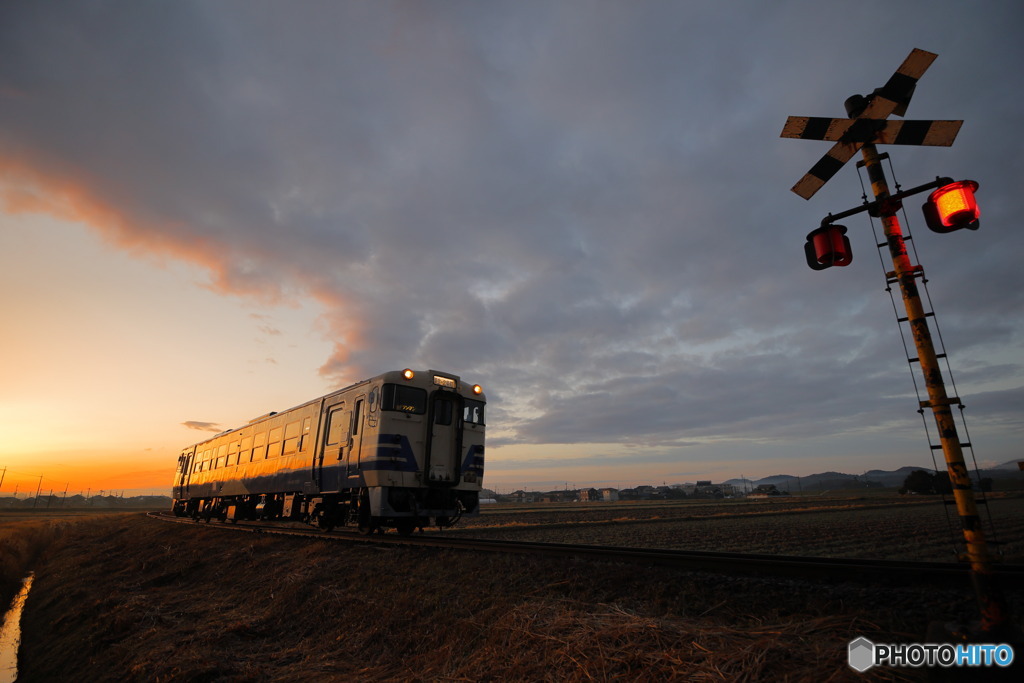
[991, 602]
[867, 128]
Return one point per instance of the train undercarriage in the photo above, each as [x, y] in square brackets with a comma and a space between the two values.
[369, 510]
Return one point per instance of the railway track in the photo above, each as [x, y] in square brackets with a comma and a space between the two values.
[785, 566]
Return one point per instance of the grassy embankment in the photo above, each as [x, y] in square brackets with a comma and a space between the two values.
[21, 543]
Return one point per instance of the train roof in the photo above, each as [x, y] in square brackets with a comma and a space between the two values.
[391, 375]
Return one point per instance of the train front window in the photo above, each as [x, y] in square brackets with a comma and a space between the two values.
[404, 399]
[473, 411]
[443, 412]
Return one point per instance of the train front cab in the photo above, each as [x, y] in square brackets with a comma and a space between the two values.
[424, 465]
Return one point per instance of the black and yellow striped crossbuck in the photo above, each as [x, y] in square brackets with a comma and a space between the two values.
[870, 125]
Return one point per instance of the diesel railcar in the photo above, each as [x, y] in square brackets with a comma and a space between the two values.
[401, 450]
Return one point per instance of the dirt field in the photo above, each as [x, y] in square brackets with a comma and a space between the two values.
[129, 598]
[880, 527]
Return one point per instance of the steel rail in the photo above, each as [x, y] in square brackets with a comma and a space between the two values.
[788, 566]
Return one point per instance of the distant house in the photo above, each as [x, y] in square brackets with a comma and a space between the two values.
[589, 495]
[609, 495]
[521, 496]
[705, 489]
[645, 492]
[765, 491]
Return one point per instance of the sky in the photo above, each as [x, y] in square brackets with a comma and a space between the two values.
[212, 210]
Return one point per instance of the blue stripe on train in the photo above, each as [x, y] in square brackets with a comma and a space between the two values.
[474, 460]
[394, 453]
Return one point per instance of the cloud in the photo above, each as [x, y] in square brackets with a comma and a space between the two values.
[202, 426]
[584, 209]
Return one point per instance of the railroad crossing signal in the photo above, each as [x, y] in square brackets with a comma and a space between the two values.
[950, 207]
[870, 125]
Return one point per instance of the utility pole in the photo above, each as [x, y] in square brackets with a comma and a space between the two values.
[38, 488]
[991, 601]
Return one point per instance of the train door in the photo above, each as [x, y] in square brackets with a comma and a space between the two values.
[330, 466]
[355, 456]
[183, 473]
[444, 422]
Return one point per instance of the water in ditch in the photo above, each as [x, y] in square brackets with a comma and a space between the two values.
[10, 634]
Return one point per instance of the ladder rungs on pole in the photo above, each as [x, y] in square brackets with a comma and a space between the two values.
[930, 314]
[906, 238]
[951, 401]
[915, 359]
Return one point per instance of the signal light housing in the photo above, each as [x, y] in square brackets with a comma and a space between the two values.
[828, 246]
[952, 207]
[408, 374]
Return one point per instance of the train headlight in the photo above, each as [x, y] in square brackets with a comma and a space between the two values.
[408, 374]
[477, 389]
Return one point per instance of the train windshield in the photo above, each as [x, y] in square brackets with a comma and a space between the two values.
[473, 411]
[404, 399]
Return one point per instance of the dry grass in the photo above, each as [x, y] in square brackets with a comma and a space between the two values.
[131, 599]
[21, 542]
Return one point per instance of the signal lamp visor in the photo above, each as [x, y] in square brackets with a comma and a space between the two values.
[828, 246]
[952, 207]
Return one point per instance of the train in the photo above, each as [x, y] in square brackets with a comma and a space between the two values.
[403, 450]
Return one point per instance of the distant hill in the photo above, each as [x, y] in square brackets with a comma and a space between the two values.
[1010, 465]
[871, 478]
[78, 501]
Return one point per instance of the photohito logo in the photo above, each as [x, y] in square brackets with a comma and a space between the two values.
[863, 654]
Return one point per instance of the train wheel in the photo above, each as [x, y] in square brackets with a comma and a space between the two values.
[364, 522]
[327, 520]
[405, 527]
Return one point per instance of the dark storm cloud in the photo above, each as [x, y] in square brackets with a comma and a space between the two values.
[583, 206]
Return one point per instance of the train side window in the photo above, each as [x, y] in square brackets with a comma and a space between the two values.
[246, 453]
[473, 411]
[274, 442]
[291, 437]
[337, 426]
[304, 439]
[403, 398]
[258, 446]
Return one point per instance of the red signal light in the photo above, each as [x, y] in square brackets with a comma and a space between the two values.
[828, 246]
[952, 207]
